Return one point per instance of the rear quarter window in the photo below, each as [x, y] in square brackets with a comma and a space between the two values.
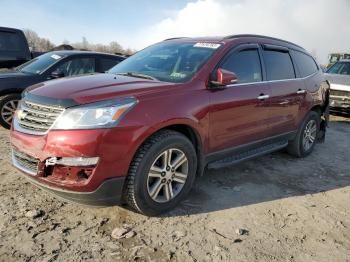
[306, 64]
[107, 63]
[278, 65]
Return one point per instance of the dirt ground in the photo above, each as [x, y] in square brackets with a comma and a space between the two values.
[290, 210]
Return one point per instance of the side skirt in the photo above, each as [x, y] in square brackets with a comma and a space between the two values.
[238, 154]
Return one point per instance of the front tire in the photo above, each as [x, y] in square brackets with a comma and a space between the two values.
[8, 106]
[161, 173]
[306, 138]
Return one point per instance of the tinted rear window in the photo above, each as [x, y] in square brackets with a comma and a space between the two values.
[305, 63]
[107, 63]
[10, 41]
[279, 65]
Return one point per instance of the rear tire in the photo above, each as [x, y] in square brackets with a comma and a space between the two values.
[306, 137]
[8, 105]
[157, 183]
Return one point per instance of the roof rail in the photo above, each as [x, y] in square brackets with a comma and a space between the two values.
[174, 38]
[261, 36]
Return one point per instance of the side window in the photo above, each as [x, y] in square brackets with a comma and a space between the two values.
[279, 65]
[77, 66]
[245, 64]
[107, 63]
[305, 63]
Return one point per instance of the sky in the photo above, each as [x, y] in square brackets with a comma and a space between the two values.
[321, 26]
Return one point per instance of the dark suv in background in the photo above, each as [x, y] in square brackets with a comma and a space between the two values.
[14, 49]
[142, 133]
[48, 66]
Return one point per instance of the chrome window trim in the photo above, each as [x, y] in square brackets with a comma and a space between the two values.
[273, 81]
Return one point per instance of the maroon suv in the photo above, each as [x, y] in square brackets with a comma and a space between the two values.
[142, 133]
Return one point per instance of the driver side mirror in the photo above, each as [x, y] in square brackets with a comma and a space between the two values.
[56, 74]
[224, 78]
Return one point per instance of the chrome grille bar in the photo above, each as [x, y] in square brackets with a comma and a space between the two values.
[340, 93]
[35, 118]
[25, 162]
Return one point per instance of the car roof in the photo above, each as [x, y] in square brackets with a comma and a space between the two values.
[231, 38]
[78, 52]
[8, 29]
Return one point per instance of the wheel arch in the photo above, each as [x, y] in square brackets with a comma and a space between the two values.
[186, 129]
[7, 92]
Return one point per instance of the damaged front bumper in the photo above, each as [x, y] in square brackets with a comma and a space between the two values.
[340, 100]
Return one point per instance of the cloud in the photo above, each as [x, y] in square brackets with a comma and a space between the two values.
[320, 26]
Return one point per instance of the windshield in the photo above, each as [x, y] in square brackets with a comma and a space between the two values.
[166, 61]
[340, 68]
[40, 63]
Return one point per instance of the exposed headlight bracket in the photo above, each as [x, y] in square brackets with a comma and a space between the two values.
[72, 161]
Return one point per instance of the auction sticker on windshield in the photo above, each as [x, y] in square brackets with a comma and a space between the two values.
[56, 57]
[207, 45]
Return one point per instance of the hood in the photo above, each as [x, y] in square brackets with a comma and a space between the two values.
[12, 74]
[97, 87]
[338, 79]
[339, 82]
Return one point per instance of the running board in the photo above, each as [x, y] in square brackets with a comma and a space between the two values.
[246, 155]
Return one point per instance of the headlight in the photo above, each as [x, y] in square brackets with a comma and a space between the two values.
[97, 115]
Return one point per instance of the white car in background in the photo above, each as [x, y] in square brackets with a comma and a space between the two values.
[339, 77]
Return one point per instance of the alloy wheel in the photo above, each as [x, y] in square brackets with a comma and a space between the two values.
[309, 136]
[167, 175]
[8, 110]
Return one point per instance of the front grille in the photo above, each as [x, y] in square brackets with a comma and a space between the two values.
[25, 162]
[340, 93]
[37, 117]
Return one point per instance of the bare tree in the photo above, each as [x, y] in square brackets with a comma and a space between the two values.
[42, 45]
[37, 43]
[113, 47]
[129, 51]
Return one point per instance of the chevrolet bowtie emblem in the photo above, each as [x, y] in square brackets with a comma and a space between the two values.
[21, 114]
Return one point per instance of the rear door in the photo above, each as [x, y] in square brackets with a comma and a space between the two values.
[285, 97]
[239, 113]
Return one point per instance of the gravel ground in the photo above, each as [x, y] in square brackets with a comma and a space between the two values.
[273, 208]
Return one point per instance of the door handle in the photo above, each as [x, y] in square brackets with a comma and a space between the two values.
[301, 91]
[262, 97]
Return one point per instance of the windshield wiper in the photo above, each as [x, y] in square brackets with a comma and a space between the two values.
[135, 74]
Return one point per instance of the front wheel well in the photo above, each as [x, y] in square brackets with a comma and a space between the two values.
[187, 131]
[195, 139]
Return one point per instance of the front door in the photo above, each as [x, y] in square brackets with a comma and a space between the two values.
[239, 112]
